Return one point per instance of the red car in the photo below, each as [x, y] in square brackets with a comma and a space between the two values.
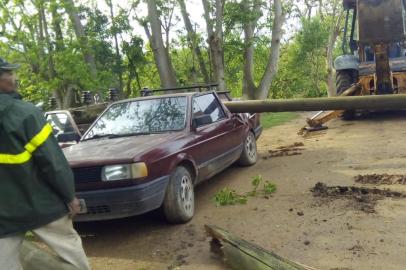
[145, 153]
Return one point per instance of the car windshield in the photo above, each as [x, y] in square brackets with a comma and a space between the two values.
[141, 117]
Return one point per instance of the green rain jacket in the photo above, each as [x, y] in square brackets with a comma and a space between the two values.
[36, 182]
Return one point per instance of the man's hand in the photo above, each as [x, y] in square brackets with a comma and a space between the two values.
[74, 207]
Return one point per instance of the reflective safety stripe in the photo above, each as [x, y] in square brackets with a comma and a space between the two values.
[30, 148]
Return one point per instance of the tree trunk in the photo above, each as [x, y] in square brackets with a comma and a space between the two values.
[209, 28]
[191, 37]
[41, 39]
[69, 97]
[58, 93]
[66, 95]
[56, 25]
[51, 66]
[161, 55]
[81, 36]
[273, 62]
[215, 40]
[334, 32]
[132, 74]
[118, 55]
[249, 87]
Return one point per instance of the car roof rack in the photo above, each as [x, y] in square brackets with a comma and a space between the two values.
[145, 92]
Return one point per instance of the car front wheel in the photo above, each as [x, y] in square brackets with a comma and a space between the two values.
[249, 154]
[179, 202]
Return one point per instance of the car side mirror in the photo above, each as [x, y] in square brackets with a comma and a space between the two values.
[201, 120]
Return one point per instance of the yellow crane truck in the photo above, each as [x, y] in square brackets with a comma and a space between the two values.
[374, 53]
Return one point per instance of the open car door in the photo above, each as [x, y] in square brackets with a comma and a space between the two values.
[64, 127]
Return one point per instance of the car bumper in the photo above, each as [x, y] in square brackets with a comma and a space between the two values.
[123, 202]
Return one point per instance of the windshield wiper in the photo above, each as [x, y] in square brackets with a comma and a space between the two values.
[129, 135]
[99, 136]
[113, 136]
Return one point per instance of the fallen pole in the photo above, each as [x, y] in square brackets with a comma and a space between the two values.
[384, 102]
[241, 255]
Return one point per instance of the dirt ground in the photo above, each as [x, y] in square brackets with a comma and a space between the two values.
[334, 227]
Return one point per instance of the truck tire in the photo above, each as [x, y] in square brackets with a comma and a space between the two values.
[249, 155]
[344, 79]
[179, 201]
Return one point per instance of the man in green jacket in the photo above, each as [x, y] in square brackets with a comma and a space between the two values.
[36, 182]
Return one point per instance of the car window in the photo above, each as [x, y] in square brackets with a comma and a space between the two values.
[208, 104]
[142, 116]
[60, 123]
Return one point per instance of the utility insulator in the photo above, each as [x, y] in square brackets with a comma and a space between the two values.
[113, 94]
[145, 92]
[87, 97]
[52, 103]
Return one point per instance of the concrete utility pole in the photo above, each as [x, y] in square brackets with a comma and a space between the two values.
[383, 102]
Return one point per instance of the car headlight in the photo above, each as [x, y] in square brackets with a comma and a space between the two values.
[124, 171]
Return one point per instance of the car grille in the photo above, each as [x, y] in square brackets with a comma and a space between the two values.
[87, 175]
[100, 209]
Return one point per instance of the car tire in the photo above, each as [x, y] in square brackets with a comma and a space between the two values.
[249, 155]
[179, 201]
[344, 80]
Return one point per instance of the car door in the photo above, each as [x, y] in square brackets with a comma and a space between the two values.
[64, 127]
[215, 139]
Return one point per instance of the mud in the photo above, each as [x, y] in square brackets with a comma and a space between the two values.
[285, 151]
[381, 179]
[333, 230]
[360, 198]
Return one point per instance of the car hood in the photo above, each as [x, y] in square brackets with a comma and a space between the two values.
[104, 151]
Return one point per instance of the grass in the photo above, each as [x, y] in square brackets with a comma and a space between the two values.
[269, 120]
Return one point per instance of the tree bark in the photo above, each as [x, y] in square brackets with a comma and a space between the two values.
[167, 27]
[81, 36]
[41, 39]
[66, 95]
[51, 66]
[273, 62]
[118, 55]
[161, 55]
[249, 87]
[56, 25]
[191, 37]
[334, 32]
[58, 93]
[215, 40]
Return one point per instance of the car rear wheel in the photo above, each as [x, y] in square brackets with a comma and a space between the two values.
[249, 154]
[179, 202]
